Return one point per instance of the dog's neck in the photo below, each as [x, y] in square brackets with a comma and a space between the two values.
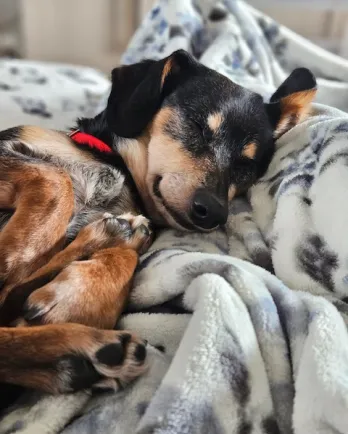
[133, 152]
[99, 128]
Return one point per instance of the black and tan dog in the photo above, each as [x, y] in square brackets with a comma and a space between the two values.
[184, 141]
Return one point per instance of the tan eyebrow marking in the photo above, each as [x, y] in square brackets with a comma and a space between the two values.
[249, 150]
[215, 121]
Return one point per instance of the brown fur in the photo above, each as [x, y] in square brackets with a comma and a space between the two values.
[177, 157]
[7, 195]
[43, 357]
[44, 197]
[91, 292]
[166, 70]
[214, 121]
[168, 157]
[294, 108]
[134, 154]
[44, 281]
[53, 142]
[249, 150]
[86, 283]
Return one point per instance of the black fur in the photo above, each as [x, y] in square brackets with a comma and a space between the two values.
[82, 373]
[137, 94]
[300, 80]
[13, 304]
[196, 91]
[10, 134]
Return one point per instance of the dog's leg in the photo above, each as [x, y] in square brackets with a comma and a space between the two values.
[68, 357]
[79, 285]
[43, 200]
[91, 292]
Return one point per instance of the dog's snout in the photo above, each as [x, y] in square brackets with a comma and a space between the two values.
[207, 211]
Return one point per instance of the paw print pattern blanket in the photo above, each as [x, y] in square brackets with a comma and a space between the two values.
[247, 326]
[47, 94]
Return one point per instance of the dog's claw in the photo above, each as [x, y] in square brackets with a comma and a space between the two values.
[145, 230]
[31, 313]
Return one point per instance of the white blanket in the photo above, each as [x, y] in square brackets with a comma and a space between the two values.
[234, 348]
[48, 94]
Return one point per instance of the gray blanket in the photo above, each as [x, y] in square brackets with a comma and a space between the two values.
[235, 348]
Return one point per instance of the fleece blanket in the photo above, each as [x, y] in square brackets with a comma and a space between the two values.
[48, 94]
[247, 325]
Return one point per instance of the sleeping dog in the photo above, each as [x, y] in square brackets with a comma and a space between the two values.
[175, 144]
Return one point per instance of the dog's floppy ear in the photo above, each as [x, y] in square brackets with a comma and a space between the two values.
[138, 91]
[291, 102]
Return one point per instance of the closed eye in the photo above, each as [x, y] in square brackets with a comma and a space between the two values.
[243, 174]
[198, 126]
[203, 131]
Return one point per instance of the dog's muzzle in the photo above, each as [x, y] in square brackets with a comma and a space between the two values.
[207, 211]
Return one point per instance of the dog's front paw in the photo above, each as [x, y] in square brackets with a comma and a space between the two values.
[112, 231]
[138, 233]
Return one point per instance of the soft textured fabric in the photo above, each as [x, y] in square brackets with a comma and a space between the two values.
[239, 350]
[48, 94]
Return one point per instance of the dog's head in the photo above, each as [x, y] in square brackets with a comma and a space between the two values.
[194, 138]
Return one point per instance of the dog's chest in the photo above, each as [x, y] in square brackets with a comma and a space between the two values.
[96, 185]
[98, 188]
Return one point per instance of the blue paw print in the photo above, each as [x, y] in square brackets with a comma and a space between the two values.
[155, 11]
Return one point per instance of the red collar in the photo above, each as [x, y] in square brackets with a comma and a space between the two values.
[88, 140]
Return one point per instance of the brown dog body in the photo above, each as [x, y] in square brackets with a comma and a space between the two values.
[85, 281]
[184, 141]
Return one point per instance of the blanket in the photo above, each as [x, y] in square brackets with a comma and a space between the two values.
[247, 325]
[49, 95]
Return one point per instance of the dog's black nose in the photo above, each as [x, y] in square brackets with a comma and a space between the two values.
[207, 211]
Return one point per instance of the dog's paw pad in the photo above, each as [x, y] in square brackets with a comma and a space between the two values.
[77, 372]
[123, 359]
[111, 354]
